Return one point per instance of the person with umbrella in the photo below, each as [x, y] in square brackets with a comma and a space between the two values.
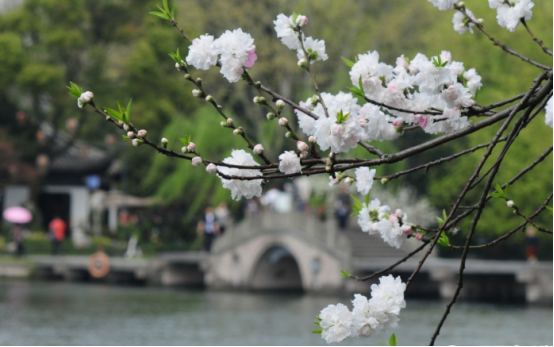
[18, 216]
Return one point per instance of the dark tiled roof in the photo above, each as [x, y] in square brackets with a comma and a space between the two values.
[78, 159]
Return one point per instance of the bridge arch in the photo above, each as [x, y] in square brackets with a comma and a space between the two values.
[276, 269]
[276, 251]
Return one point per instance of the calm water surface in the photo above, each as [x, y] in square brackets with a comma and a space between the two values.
[52, 313]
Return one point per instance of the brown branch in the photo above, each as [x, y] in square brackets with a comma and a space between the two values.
[539, 42]
[501, 45]
[511, 232]
[393, 265]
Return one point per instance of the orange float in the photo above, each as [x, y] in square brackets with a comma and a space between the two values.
[99, 265]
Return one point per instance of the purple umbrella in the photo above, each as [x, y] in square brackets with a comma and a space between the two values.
[17, 215]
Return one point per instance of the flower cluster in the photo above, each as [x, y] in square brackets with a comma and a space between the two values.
[368, 315]
[375, 218]
[417, 85]
[240, 188]
[509, 13]
[285, 27]
[236, 48]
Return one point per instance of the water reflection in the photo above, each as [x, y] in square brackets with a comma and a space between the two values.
[34, 313]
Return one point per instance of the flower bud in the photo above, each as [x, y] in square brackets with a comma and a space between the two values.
[313, 101]
[312, 139]
[199, 80]
[187, 76]
[177, 66]
[460, 4]
[288, 134]
[184, 149]
[283, 121]
[229, 121]
[301, 20]
[328, 168]
[398, 122]
[236, 132]
[280, 104]
[223, 124]
[256, 99]
[303, 155]
[302, 63]
[196, 93]
[348, 181]
[136, 142]
[258, 149]
[84, 99]
[384, 180]
[363, 122]
[258, 84]
[211, 168]
[302, 146]
[141, 133]
[130, 134]
[510, 203]
[164, 140]
[331, 155]
[209, 98]
[481, 21]
[418, 236]
[196, 161]
[270, 116]
[398, 213]
[125, 127]
[259, 100]
[191, 147]
[334, 181]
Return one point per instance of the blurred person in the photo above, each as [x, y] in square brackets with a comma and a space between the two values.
[532, 244]
[222, 216]
[252, 207]
[343, 208]
[56, 228]
[17, 234]
[208, 228]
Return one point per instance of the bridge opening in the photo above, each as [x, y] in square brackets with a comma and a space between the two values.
[277, 269]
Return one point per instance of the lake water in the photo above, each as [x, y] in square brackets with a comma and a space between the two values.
[61, 313]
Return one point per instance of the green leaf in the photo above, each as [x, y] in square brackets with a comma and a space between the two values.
[185, 140]
[392, 340]
[318, 331]
[74, 89]
[128, 112]
[294, 16]
[114, 114]
[357, 204]
[444, 215]
[158, 14]
[549, 209]
[348, 62]
[367, 197]
[125, 137]
[345, 273]
[356, 91]
[507, 186]
[500, 193]
[361, 85]
[443, 240]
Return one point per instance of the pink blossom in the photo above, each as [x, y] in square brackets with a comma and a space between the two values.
[252, 57]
